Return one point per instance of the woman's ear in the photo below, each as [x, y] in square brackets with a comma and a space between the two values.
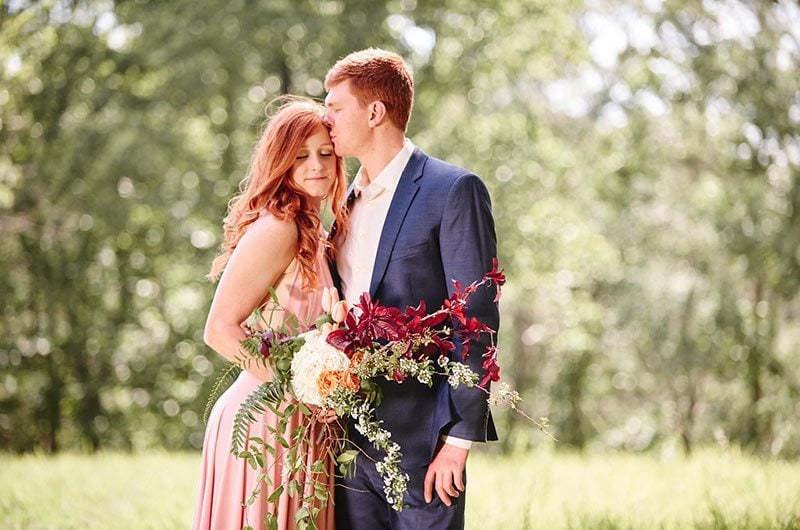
[377, 113]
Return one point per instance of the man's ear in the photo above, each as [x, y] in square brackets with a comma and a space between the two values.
[377, 113]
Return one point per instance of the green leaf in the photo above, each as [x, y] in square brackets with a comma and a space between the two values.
[347, 456]
[274, 296]
[220, 385]
[301, 514]
[266, 394]
[297, 432]
[321, 491]
[293, 487]
[275, 495]
[324, 318]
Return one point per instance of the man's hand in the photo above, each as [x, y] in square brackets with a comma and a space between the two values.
[324, 415]
[446, 473]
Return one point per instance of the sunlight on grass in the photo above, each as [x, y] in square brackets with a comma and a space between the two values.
[542, 490]
[554, 490]
[154, 491]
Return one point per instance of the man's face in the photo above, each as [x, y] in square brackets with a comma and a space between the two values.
[347, 119]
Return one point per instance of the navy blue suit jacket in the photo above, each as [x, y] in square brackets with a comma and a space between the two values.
[439, 228]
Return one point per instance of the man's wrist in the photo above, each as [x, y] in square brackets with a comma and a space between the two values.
[457, 442]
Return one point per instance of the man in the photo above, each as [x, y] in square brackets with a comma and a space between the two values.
[416, 223]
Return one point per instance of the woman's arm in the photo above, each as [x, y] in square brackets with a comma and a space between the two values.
[261, 256]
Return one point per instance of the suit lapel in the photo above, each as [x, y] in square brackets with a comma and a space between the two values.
[403, 196]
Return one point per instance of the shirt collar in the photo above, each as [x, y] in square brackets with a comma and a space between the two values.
[389, 176]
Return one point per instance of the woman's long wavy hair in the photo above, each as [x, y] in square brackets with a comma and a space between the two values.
[268, 186]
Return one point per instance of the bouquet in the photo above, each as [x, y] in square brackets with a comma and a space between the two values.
[335, 366]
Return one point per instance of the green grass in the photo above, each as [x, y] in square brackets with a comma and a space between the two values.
[542, 490]
[107, 491]
[710, 490]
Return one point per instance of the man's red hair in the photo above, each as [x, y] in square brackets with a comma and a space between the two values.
[377, 75]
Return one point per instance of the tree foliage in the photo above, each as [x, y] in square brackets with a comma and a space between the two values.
[642, 159]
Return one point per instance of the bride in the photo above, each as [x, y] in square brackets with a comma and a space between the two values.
[273, 238]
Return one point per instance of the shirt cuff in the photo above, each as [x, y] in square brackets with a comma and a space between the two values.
[458, 442]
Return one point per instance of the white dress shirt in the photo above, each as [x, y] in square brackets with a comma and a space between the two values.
[356, 259]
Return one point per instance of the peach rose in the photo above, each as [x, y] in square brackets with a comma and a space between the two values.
[350, 381]
[330, 380]
[356, 359]
[326, 383]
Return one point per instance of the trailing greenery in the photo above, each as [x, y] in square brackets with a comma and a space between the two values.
[258, 401]
[220, 385]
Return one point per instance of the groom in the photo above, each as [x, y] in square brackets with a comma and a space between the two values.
[416, 223]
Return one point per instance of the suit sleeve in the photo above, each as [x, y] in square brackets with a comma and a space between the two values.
[468, 245]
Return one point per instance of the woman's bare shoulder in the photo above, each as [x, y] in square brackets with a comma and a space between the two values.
[271, 227]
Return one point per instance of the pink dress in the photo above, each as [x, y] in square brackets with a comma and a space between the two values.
[227, 482]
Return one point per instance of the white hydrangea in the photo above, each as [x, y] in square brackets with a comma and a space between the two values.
[313, 358]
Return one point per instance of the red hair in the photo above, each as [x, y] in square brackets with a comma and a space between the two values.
[268, 186]
[377, 75]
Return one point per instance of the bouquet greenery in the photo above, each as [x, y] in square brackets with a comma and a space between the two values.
[335, 365]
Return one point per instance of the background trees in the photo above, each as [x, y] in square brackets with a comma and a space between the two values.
[642, 158]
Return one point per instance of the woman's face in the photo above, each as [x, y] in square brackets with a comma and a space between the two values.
[314, 169]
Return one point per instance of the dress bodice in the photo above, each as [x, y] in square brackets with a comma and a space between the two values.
[305, 305]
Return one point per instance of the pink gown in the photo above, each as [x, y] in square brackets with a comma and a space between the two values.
[227, 482]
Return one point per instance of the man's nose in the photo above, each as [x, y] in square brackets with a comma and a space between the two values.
[326, 120]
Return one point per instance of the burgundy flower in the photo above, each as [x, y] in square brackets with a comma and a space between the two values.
[435, 319]
[492, 372]
[456, 308]
[342, 339]
[267, 340]
[497, 277]
[378, 322]
[492, 369]
[417, 335]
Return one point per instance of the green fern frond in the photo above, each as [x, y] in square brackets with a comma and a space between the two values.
[220, 385]
[270, 393]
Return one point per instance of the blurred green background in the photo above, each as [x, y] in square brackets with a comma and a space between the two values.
[642, 159]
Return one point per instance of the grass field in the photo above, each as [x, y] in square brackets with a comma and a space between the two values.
[542, 490]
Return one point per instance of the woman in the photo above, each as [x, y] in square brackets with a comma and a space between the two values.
[273, 238]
